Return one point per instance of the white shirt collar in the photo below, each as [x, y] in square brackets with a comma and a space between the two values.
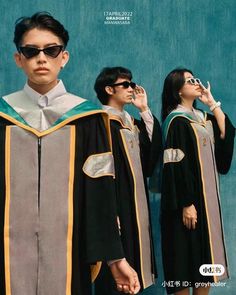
[123, 112]
[125, 116]
[47, 98]
[197, 113]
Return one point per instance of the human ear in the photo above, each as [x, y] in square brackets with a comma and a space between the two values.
[17, 58]
[109, 90]
[65, 58]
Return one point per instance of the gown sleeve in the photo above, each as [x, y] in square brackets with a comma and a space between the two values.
[149, 150]
[223, 147]
[180, 166]
[101, 233]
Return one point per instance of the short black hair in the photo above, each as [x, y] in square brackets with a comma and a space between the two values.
[109, 76]
[41, 20]
[174, 81]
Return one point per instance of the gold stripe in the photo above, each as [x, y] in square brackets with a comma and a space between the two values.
[108, 128]
[7, 212]
[95, 269]
[50, 130]
[70, 211]
[136, 207]
[118, 119]
[205, 201]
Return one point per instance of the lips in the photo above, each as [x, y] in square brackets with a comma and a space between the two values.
[199, 89]
[42, 69]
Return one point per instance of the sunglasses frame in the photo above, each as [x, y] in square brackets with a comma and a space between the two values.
[125, 84]
[197, 81]
[21, 49]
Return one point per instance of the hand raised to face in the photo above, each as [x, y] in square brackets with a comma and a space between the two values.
[140, 98]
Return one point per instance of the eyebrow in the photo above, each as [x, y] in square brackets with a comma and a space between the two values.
[46, 45]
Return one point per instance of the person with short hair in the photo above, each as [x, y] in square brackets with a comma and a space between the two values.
[57, 203]
[136, 145]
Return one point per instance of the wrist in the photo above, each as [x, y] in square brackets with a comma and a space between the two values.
[144, 109]
[215, 105]
[111, 262]
[211, 103]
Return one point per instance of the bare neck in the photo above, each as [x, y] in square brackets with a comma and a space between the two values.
[116, 105]
[42, 88]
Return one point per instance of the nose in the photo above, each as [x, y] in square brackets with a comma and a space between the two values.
[130, 88]
[41, 57]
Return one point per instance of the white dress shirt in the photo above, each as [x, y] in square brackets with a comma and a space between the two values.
[127, 119]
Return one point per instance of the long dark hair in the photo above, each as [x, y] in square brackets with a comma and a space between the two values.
[170, 94]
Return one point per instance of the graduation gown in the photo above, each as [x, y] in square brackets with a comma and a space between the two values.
[194, 153]
[135, 157]
[57, 198]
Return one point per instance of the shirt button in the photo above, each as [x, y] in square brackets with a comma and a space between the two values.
[43, 101]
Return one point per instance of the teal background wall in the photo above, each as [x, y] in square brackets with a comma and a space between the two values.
[162, 35]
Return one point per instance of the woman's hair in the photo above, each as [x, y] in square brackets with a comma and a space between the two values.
[109, 76]
[40, 20]
[170, 94]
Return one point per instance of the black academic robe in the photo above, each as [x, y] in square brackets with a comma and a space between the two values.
[57, 203]
[129, 215]
[194, 153]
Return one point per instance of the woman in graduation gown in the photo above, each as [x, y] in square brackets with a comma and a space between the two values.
[197, 146]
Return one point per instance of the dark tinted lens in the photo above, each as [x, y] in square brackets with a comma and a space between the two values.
[191, 81]
[198, 81]
[29, 52]
[132, 85]
[53, 51]
[125, 84]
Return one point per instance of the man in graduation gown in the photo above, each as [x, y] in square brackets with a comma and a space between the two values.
[57, 191]
[136, 147]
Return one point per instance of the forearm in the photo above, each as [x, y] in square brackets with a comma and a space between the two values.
[149, 122]
[220, 118]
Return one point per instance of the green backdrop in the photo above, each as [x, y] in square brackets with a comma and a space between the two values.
[158, 36]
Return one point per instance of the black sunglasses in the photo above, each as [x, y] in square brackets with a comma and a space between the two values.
[125, 84]
[52, 51]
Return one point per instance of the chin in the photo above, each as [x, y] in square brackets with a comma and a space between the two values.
[43, 82]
